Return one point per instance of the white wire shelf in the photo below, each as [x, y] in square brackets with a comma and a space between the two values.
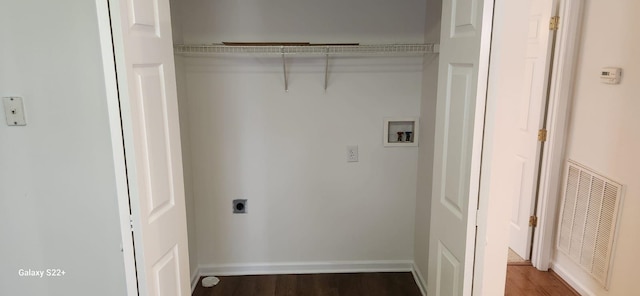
[371, 49]
[299, 50]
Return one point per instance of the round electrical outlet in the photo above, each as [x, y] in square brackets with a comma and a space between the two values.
[239, 206]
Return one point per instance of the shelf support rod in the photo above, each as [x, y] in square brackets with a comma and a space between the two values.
[284, 69]
[326, 69]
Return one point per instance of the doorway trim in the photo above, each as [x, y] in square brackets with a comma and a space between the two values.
[117, 145]
[561, 91]
[493, 234]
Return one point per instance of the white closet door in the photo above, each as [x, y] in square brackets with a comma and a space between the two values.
[149, 106]
[528, 106]
[462, 78]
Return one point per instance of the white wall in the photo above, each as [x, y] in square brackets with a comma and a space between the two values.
[176, 26]
[58, 206]
[362, 21]
[286, 151]
[185, 137]
[604, 129]
[427, 130]
[176, 21]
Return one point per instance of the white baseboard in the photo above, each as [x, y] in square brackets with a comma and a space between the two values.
[417, 276]
[572, 281]
[195, 277]
[305, 267]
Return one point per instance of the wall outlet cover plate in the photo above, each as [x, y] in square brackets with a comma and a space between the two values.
[14, 111]
[239, 206]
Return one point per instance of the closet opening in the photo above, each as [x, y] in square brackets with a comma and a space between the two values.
[285, 106]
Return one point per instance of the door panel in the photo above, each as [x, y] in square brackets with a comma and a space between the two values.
[448, 272]
[459, 124]
[165, 274]
[457, 146]
[149, 106]
[157, 173]
[143, 13]
[519, 175]
[464, 17]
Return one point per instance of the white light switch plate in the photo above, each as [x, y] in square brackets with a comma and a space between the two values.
[14, 111]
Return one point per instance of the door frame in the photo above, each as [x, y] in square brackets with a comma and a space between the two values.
[559, 108]
[117, 145]
[493, 235]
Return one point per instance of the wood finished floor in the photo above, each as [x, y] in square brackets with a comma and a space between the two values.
[522, 280]
[526, 280]
[327, 284]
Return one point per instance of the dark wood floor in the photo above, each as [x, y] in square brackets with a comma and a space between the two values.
[327, 284]
[522, 280]
[526, 280]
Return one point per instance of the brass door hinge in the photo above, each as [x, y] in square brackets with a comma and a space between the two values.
[533, 221]
[554, 23]
[542, 135]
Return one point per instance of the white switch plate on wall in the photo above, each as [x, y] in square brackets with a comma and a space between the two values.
[14, 111]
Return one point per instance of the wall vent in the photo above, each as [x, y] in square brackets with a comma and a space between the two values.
[588, 217]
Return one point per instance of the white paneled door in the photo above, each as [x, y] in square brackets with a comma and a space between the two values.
[525, 121]
[149, 108]
[462, 82]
